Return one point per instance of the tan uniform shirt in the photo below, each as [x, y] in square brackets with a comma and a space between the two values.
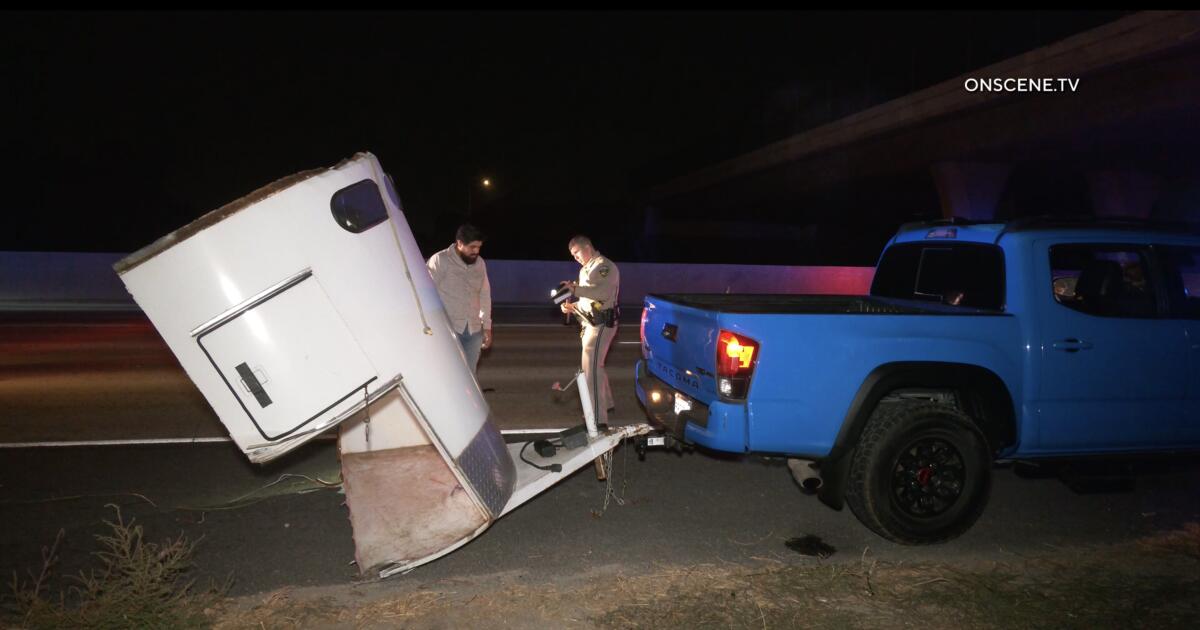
[599, 284]
[464, 290]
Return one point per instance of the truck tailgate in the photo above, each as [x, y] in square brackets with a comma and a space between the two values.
[679, 345]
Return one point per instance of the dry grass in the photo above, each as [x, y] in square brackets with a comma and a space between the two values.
[1031, 594]
[137, 584]
[1184, 541]
[281, 610]
[395, 612]
[1151, 583]
[1119, 586]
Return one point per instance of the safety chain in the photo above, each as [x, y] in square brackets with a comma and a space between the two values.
[609, 493]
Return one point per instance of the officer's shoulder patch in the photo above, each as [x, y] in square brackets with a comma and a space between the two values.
[603, 271]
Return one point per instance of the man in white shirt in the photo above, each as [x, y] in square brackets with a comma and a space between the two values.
[462, 282]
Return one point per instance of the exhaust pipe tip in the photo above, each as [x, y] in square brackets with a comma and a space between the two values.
[806, 474]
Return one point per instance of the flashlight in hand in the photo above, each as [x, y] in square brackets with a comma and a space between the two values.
[561, 294]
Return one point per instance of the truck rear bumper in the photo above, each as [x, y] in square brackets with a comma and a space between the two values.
[720, 426]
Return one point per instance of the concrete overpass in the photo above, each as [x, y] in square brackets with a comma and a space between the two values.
[1122, 143]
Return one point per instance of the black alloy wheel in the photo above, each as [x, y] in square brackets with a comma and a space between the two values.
[928, 477]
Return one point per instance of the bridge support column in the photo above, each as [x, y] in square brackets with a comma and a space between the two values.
[970, 190]
[1123, 193]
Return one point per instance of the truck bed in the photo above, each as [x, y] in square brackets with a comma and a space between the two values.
[813, 352]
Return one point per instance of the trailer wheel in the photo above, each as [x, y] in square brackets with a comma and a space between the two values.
[921, 473]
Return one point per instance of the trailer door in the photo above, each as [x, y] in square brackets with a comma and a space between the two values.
[290, 362]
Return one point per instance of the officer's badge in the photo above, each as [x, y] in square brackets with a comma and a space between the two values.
[603, 271]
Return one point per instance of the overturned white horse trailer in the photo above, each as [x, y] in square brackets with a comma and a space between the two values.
[307, 304]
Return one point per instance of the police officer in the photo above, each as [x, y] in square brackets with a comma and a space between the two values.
[596, 309]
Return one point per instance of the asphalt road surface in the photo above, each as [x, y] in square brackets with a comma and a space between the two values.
[276, 525]
[109, 377]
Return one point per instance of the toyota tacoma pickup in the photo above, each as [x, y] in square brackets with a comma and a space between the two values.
[1036, 338]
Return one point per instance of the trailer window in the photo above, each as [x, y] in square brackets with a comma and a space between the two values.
[965, 274]
[358, 207]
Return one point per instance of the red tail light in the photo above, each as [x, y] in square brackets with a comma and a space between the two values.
[737, 355]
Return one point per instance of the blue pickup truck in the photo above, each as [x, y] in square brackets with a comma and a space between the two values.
[1037, 338]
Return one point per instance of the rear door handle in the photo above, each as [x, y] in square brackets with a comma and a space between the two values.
[1072, 345]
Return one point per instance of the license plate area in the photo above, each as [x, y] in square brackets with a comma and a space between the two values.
[682, 403]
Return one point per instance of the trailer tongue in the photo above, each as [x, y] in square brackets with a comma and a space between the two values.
[306, 305]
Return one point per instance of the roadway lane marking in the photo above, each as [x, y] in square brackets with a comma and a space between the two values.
[114, 442]
[494, 325]
[212, 440]
[208, 440]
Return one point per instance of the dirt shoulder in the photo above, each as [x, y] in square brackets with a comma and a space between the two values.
[1153, 582]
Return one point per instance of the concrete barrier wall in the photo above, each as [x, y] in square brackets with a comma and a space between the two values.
[78, 280]
[530, 281]
[58, 279]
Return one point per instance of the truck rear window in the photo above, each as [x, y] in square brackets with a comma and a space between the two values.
[959, 274]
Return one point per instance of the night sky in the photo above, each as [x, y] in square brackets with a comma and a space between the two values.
[125, 126]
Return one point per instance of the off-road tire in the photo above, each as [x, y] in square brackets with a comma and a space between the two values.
[921, 473]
